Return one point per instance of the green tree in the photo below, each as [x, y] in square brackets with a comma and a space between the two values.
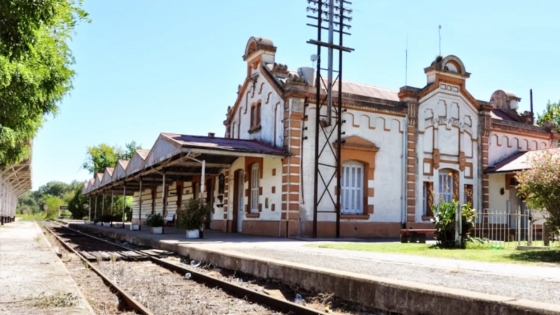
[78, 204]
[35, 71]
[52, 205]
[551, 113]
[102, 156]
[540, 186]
[27, 204]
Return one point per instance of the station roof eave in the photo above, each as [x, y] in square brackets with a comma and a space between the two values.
[179, 157]
[18, 176]
[518, 161]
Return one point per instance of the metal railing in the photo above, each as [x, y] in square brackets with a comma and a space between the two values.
[507, 228]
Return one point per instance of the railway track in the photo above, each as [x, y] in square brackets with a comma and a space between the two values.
[120, 267]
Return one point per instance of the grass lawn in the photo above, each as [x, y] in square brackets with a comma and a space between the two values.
[31, 217]
[473, 252]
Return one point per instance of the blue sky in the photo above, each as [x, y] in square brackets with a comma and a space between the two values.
[145, 67]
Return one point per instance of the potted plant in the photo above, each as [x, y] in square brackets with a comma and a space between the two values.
[191, 217]
[155, 222]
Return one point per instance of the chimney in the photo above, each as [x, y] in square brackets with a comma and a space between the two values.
[211, 135]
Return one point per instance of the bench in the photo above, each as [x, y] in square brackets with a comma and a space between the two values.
[415, 235]
[169, 219]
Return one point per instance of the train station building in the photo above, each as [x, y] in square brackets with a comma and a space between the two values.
[403, 150]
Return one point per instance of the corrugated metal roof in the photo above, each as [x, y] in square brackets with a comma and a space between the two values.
[518, 161]
[224, 144]
[368, 91]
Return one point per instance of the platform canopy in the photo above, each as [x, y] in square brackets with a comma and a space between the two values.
[180, 158]
[18, 176]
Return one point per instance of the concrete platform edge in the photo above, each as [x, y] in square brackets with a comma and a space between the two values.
[383, 293]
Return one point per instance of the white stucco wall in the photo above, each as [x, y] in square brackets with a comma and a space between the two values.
[502, 145]
[267, 182]
[499, 204]
[449, 123]
[272, 113]
[385, 131]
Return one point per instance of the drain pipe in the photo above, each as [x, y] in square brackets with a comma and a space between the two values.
[404, 172]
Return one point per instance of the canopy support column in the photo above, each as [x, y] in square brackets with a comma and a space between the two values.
[163, 202]
[112, 206]
[140, 207]
[123, 204]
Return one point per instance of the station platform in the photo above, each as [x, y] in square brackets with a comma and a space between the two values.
[33, 280]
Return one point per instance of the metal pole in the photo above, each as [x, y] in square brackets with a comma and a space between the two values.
[163, 202]
[112, 205]
[103, 205]
[95, 213]
[330, 61]
[123, 204]
[339, 123]
[518, 225]
[317, 122]
[89, 209]
[140, 207]
[202, 178]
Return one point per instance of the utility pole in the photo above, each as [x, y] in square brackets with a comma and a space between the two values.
[332, 17]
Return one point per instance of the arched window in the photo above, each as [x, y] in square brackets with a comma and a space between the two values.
[448, 185]
[254, 201]
[253, 116]
[258, 114]
[352, 188]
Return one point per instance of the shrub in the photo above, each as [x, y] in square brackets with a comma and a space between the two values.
[444, 220]
[540, 185]
[65, 214]
[154, 220]
[192, 215]
[86, 218]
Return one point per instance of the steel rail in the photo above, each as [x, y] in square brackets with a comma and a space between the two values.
[231, 288]
[130, 301]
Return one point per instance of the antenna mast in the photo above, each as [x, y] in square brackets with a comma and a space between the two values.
[439, 33]
[406, 62]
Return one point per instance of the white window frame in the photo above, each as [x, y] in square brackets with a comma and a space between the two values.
[255, 174]
[445, 188]
[352, 188]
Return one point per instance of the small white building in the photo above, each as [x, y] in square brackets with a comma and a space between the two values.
[404, 150]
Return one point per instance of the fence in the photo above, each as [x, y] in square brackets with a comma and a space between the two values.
[499, 229]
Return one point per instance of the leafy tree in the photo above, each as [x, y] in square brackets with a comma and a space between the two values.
[78, 204]
[540, 186]
[35, 71]
[52, 205]
[550, 114]
[54, 188]
[102, 156]
[27, 204]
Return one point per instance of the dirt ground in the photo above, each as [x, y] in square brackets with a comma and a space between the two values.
[32, 278]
